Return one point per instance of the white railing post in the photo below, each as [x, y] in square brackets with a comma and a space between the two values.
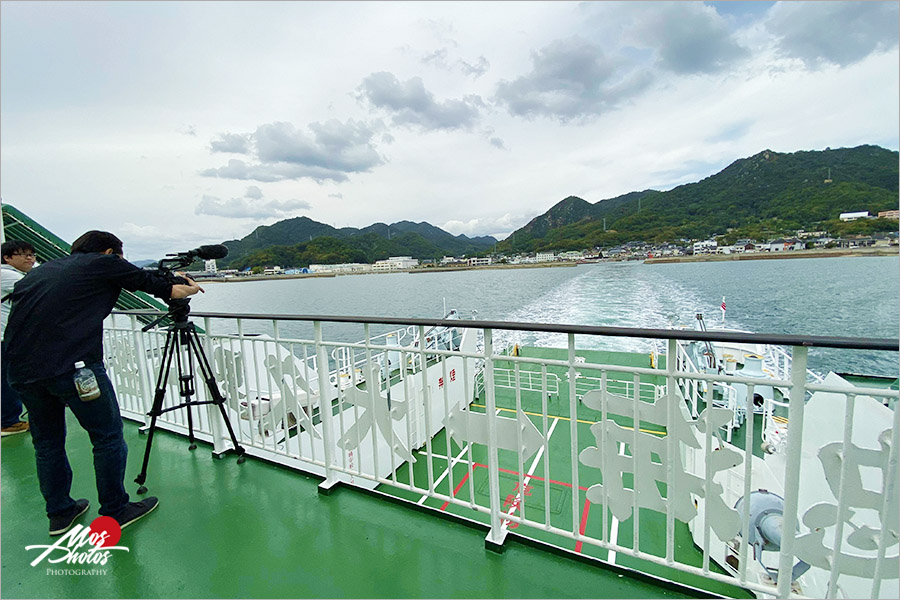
[426, 401]
[497, 534]
[145, 378]
[671, 400]
[889, 491]
[792, 471]
[325, 410]
[573, 432]
[216, 423]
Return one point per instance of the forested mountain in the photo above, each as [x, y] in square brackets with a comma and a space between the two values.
[764, 195]
[300, 241]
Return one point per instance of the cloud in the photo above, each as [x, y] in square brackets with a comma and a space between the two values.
[504, 224]
[131, 231]
[730, 132]
[477, 70]
[250, 206]
[151, 241]
[840, 33]
[688, 38]
[336, 146]
[332, 151]
[268, 173]
[571, 79]
[254, 192]
[411, 104]
[231, 142]
[497, 143]
[438, 58]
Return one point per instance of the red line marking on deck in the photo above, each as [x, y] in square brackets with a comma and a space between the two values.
[458, 486]
[584, 516]
[568, 485]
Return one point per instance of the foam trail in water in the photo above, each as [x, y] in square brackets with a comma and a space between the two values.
[616, 295]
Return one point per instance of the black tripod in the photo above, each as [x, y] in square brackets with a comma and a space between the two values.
[182, 337]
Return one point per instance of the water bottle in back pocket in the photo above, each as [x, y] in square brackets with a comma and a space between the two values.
[86, 383]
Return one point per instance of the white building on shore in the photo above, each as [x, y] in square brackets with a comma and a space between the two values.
[341, 268]
[396, 263]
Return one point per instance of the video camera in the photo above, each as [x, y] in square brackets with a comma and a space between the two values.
[179, 308]
[181, 260]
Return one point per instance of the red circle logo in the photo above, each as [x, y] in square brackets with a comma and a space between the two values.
[110, 527]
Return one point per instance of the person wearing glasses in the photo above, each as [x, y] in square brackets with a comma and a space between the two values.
[18, 259]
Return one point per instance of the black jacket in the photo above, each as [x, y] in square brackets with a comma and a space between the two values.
[58, 311]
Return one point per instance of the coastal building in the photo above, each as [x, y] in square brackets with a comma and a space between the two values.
[705, 246]
[544, 257]
[211, 266]
[479, 262]
[396, 263]
[341, 268]
[889, 214]
[781, 245]
[571, 255]
[744, 245]
[276, 270]
[852, 216]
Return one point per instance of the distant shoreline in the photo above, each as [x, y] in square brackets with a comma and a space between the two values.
[820, 253]
[815, 253]
[410, 271]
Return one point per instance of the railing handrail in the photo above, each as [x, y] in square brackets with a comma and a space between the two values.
[809, 341]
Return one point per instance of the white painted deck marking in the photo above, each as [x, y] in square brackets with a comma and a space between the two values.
[455, 460]
[525, 481]
[614, 526]
[450, 466]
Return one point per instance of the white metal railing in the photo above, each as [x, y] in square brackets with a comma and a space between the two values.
[535, 460]
[524, 380]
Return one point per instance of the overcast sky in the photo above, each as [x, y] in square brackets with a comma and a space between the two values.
[175, 124]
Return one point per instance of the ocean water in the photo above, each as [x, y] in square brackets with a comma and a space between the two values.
[851, 296]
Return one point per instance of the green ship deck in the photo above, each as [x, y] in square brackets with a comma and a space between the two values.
[474, 486]
[258, 530]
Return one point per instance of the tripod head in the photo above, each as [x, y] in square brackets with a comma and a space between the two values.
[179, 309]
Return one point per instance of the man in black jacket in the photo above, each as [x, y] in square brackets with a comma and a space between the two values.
[56, 321]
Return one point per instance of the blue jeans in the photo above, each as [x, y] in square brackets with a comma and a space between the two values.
[10, 405]
[46, 401]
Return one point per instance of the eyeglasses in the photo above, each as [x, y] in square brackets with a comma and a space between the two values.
[29, 255]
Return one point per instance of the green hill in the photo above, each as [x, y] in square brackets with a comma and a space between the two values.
[301, 241]
[767, 194]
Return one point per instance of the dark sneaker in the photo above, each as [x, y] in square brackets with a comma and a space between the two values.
[20, 427]
[136, 510]
[59, 524]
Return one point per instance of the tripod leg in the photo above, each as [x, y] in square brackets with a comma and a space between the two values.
[186, 382]
[211, 385]
[163, 376]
